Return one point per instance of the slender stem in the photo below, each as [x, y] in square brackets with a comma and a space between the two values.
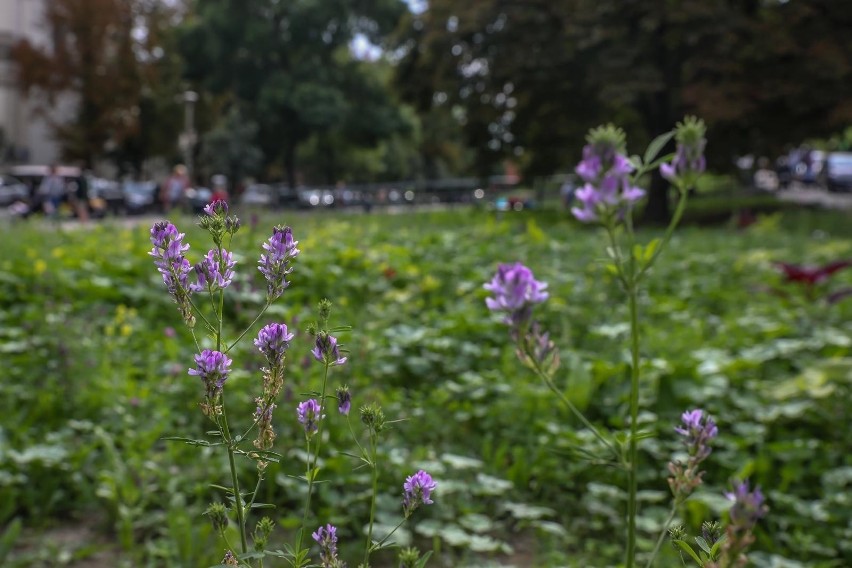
[246, 330]
[355, 438]
[313, 459]
[681, 207]
[254, 493]
[238, 498]
[574, 410]
[310, 477]
[632, 470]
[390, 534]
[662, 536]
[226, 435]
[369, 545]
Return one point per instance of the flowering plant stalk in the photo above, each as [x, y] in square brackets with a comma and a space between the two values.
[213, 275]
[610, 191]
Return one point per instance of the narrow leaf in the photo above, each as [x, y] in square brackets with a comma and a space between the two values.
[657, 144]
[688, 549]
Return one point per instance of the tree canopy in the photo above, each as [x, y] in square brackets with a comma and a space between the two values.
[456, 88]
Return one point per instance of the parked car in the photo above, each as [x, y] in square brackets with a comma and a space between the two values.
[837, 171]
[258, 195]
[32, 176]
[197, 198]
[140, 196]
[109, 193]
[13, 190]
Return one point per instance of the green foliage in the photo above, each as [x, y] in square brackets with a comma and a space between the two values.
[94, 380]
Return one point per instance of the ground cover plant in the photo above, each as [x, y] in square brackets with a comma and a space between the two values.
[96, 378]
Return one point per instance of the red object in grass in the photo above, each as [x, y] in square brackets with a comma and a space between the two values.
[811, 275]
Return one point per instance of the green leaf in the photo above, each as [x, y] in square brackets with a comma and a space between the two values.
[262, 506]
[650, 249]
[688, 549]
[656, 145]
[189, 441]
[702, 544]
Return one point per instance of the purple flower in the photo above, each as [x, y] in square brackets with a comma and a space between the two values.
[310, 413]
[263, 412]
[275, 264]
[326, 538]
[214, 272]
[697, 431]
[326, 350]
[688, 162]
[213, 368]
[606, 171]
[748, 506]
[344, 400]
[273, 340]
[515, 292]
[169, 252]
[216, 207]
[417, 490]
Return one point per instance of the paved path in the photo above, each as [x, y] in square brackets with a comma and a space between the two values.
[817, 197]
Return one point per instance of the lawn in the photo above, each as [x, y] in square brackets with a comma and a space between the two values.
[95, 358]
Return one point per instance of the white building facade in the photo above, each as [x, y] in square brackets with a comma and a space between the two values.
[27, 137]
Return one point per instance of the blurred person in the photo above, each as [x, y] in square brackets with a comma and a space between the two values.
[220, 188]
[175, 188]
[78, 197]
[51, 191]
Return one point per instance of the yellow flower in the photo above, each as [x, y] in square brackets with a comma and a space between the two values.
[39, 266]
[126, 329]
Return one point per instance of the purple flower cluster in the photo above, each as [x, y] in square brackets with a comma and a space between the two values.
[748, 506]
[169, 251]
[213, 368]
[326, 350]
[275, 263]
[417, 490]
[216, 207]
[697, 430]
[608, 188]
[210, 273]
[310, 413]
[326, 538]
[515, 292]
[273, 340]
[688, 161]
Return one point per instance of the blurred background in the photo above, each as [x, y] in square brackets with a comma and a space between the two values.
[318, 103]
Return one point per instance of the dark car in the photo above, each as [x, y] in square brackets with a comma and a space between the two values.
[13, 190]
[109, 193]
[837, 171]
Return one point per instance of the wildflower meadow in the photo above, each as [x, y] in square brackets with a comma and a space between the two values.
[465, 388]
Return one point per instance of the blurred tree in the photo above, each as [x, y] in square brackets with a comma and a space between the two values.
[109, 58]
[290, 64]
[230, 148]
[531, 76]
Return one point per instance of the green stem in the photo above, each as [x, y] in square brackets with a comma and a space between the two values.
[313, 459]
[369, 546]
[226, 436]
[238, 499]
[246, 330]
[574, 410]
[390, 534]
[681, 207]
[632, 470]
[662, 536]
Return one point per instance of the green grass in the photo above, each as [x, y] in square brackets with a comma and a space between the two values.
[93, 381]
